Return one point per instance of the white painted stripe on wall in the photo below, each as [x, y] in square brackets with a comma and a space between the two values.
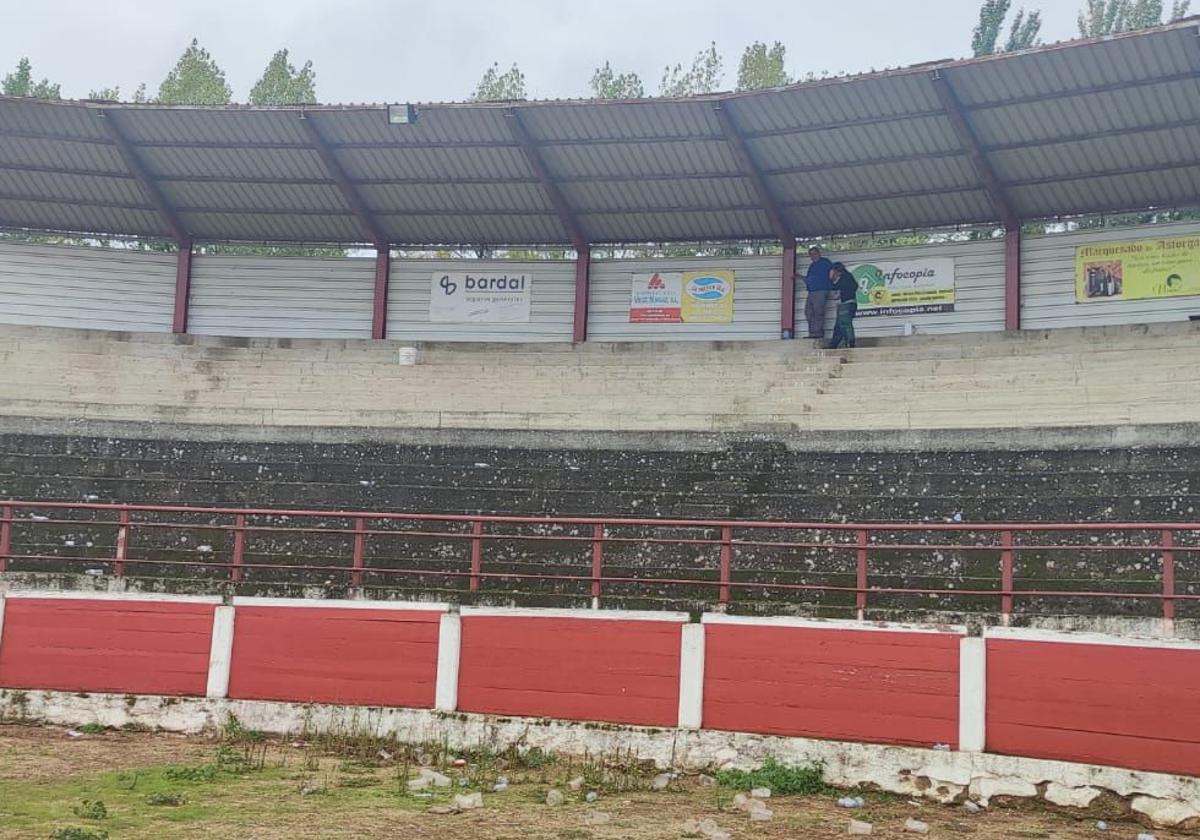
[220, 657]
[248, 601]
[448, 657]
[145, 597]
[588, 614]
[830, 624]
[691, 676]
[1, 619]
[1020, 634]
[972, 694]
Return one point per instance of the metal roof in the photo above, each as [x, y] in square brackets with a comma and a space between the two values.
[1085, 126]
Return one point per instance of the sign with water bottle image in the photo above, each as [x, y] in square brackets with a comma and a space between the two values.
[683, 297]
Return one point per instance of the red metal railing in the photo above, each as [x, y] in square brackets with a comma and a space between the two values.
[28, 523]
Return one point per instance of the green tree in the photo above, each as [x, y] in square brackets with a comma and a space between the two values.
[704, 76]
[1022, 34]
[20, 83]
[112, 94]
[609, 85]
[763, 67]
[499, 87]
[195, 80]
[1108, 17]
[283, 84]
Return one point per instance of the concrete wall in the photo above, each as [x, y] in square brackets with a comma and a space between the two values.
[835, 681]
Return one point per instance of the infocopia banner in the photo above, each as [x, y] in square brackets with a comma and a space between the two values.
[912, 287]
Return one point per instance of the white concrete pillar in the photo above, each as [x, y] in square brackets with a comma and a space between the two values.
[449, 651]
[220, 656]
[691, 677]
[972, 694]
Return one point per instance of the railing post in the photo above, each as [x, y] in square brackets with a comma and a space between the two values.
[1006, 577]
[597, 563]
[6, 519]
[239, 547]
[860, 585]
[122, 543]
[1168, 576]
[476, 554]
[726, 563]
[360, 540]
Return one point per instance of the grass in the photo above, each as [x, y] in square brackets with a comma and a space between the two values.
[780, 779]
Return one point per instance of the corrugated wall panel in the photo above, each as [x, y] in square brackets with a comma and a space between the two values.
[282, 297]
[755, 303]
[86, 288]
[552, 306]
[979, 285]
[1048, 283]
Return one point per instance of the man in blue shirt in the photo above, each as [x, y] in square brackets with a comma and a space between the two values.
[819, 286]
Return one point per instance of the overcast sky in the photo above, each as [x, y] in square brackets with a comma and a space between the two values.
[381, 51]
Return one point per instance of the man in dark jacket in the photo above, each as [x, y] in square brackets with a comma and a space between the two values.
[818, 284]
[846, 287]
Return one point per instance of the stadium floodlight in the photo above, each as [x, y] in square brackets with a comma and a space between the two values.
[401, 114]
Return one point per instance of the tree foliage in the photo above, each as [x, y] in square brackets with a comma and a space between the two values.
[195, 80]
[609, 85]
[112, 94]
[1109, 17]
[20, 83]
[283, 84]
[1022, 34]
[763, 67]
[499, 87]
[704, 76]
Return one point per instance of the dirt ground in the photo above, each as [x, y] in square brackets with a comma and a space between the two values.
[156, 785]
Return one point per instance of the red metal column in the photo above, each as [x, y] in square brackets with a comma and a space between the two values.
[597, 562]
[1012, 277]
[860, 574]
[1006, 577]
[583, 264]
[360, 544]
[383, 266]
[122, 543]
[726, 563]
[1168, 576]
[6, 518]
[239, 547]
[183, 287]
[476, 554]
[787, 302]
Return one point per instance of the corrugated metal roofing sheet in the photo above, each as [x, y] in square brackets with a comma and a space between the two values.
[1086, 126]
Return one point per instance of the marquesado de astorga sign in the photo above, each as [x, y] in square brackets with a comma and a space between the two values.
[1138, 269]
[468, 297]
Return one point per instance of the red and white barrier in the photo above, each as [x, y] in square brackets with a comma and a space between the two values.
[1083, 698]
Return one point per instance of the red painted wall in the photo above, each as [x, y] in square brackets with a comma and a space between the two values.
[1099, 704]
[881, 687]
[126, 647]
[571, 668]
[360, 657]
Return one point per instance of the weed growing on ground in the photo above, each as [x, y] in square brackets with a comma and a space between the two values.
[167, 798]
[91, 810]
[92, 729]
[195, 773]
[73, 833]
[779, 778]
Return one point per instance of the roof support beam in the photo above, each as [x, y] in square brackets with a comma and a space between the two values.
[566, 214]
[171, 220]
[337, 174]
[383, 268]
[183, 287]
[741, 152]
[970, 141]
[1012, 277]
[583, 271]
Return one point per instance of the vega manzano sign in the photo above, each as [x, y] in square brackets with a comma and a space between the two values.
[469, 297]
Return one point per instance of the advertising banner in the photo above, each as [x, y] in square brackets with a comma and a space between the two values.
[656, 298]
[683, 297]
[1138, 269]
[912, 287]
[474, 297]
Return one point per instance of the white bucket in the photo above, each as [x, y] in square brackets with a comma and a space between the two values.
[408, 355]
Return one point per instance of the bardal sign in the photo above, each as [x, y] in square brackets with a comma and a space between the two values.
[463, 297]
